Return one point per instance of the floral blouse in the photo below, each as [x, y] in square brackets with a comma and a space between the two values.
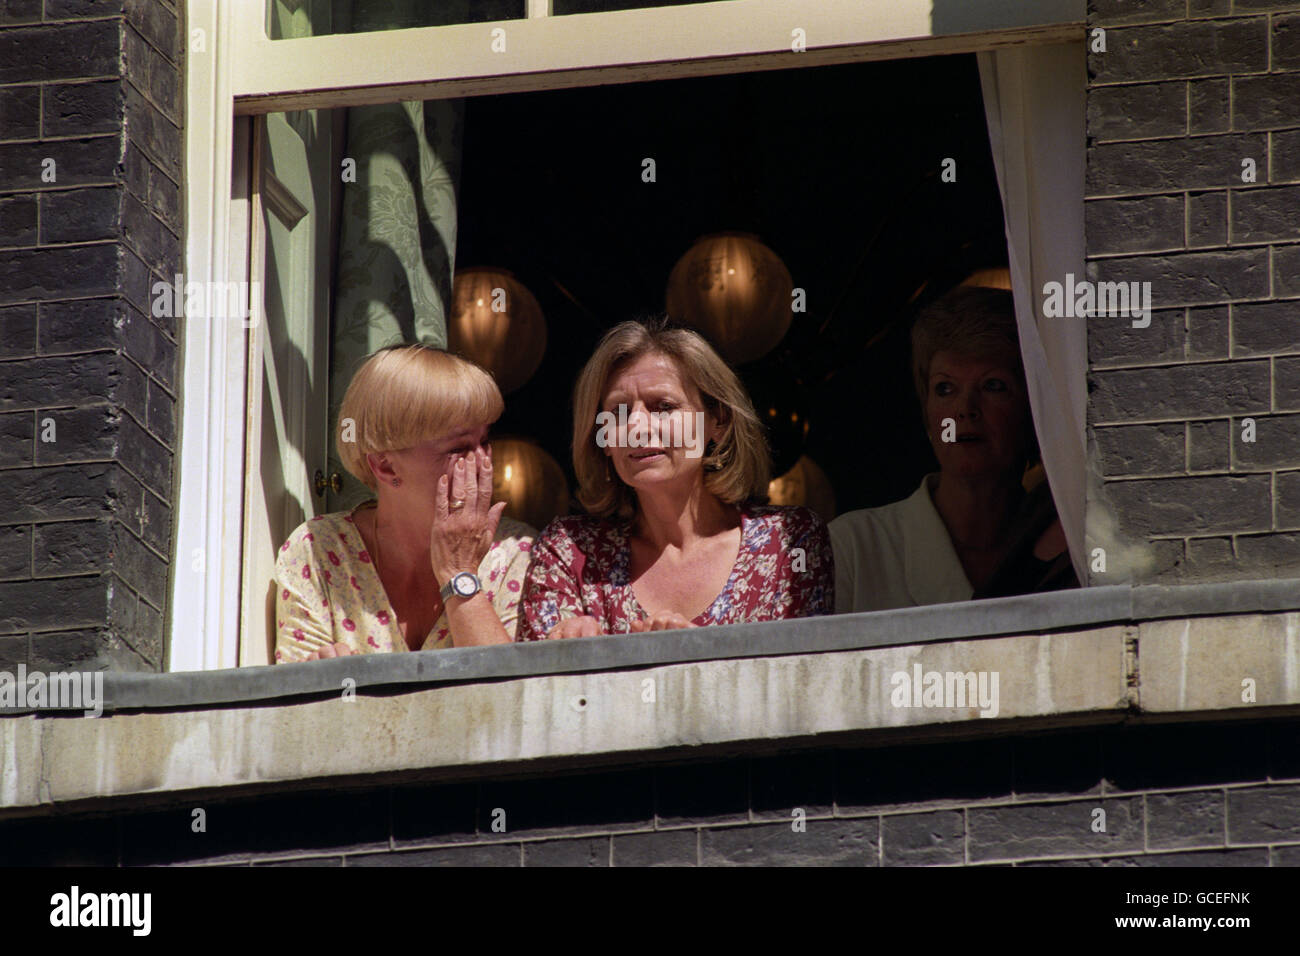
[328, 591]
[784, 569]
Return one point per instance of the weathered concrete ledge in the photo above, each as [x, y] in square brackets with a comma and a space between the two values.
[1084, 676]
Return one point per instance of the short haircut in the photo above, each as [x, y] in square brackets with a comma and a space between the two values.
[407, 394]
[971, 320]
[738, 467]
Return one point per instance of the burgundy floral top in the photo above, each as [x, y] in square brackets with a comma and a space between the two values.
[579, 567]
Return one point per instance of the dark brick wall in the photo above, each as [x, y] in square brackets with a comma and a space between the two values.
[1185, 91]
[85, 519]
[1185, 795]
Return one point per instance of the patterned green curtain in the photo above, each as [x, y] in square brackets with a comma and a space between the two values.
[397, 238]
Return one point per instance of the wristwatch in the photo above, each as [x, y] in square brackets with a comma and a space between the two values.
[466, 585]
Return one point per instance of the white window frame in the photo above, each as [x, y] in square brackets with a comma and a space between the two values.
[240, 72]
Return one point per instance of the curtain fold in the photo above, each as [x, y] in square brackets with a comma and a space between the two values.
[1034, 100]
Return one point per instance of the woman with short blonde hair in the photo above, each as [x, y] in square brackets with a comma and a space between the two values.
[430, 563]
[673, 467]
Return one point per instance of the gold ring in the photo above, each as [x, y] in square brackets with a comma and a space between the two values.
[457, 504]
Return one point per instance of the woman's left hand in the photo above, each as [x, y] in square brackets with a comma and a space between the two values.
[663, 621]
[460, 537]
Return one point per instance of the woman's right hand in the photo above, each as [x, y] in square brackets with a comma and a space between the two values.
[330, 650]
[585, 626]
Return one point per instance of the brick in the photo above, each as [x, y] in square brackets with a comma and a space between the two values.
[1288, 499]
[909, 777]
[65, 491]
[77, 162]
[1189, 506]
[1182, 860]
[1191, 278]
[154, 133]
[83, 325]
[1053, 829]
[1264, 815]
[555, 805]
[1276, 444]
[1112, 340]
[162, 415]
[592, 851]
[1057, 764]
[19, 11]
[294, 824]
[1286, 43]
[824, 843]
[17, 431]
[1183, 755]
[79, 109]
[80, 215]
[1177, 392]
[1264, 102]
[87, 650]
[77, 9]
[78, 434]
[47, 382]
[157, 24]
[1146, 224]
[1282, 855]
[150, 629]
[72, 547]
[780, 784]
[157, 246]
[20, 112]
[1286, 270]
[1207, 219]
[493, 854]
[15, 551]
[1141, 449]
[1265, 215]
[1165, 563]
[434, 814]
[156, 524]
[1207, 333]
[14, 650]
[17, 331]
[74, 50]
[1176, 820]
[1207, 106]
[661, 848]
[702, 793]
[33, 274]
[1208, 558]
[1109, 12]
[145, 457]
[923, 839]
[51, 603]
[1286, 384]
[1209, 446]
[1139, 111]
[1269, 555]
[18, 221]
[1197, 162]
[1265, 328]
[1197, 48]
[1284, 156]
[151, 74]
[143, 570]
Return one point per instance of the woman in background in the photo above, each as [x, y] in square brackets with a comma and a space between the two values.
[673, 468]
[430, 564]
[970, 529]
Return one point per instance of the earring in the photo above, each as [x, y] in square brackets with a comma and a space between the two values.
[397, 482]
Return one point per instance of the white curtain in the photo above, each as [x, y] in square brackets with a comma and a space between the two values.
[1034, 101]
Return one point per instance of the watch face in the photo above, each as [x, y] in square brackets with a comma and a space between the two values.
[465, 584]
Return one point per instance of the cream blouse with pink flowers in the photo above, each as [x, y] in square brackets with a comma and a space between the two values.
[328, 591]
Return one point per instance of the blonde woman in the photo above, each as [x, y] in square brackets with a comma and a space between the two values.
[428, 564]
[672, 465]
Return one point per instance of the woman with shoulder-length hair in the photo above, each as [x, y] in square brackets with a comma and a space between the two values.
[431, 563]
[673, 467]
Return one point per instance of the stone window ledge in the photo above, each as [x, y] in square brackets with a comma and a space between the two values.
[670, 696]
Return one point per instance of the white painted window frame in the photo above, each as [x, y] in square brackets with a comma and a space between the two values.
[240, 72]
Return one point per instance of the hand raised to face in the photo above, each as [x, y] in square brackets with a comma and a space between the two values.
[465, 520]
